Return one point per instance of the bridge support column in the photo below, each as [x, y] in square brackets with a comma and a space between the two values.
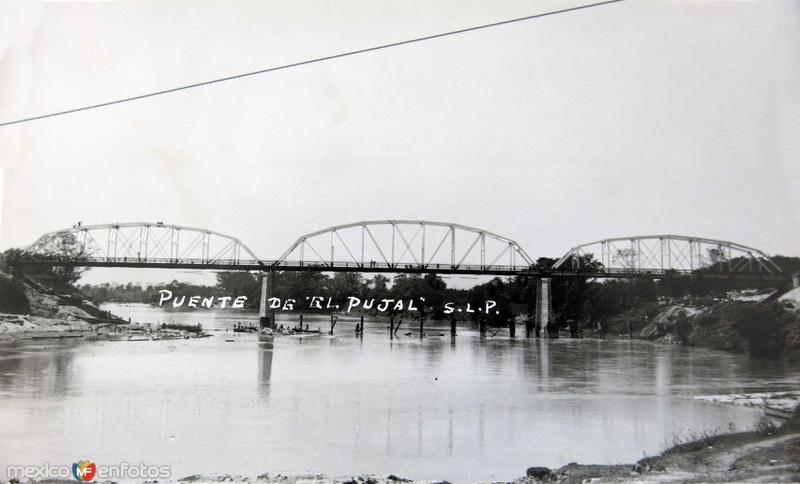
[266, 317]
[544, 301]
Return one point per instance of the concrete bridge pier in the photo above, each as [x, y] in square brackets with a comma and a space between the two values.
[266, 317]
[544, 301]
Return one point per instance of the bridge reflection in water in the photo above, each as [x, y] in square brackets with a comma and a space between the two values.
[265, 356]
[463, 409]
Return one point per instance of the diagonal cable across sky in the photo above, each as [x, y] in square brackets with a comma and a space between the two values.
[305, 62]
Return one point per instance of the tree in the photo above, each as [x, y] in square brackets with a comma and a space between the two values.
[570, 293]
[434, 289]
[346, 284]
[493, 290]
[300, 285]
[12, 296]
[237, 284]
[763, 326]
[34, 265]
[378, 287]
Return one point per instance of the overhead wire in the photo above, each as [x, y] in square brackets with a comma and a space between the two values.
[305, 62]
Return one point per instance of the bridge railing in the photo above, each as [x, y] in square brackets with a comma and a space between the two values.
[349, 266]
[377, 266]
[274, 264]
[128, 261]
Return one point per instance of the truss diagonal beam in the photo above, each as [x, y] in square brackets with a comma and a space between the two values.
[672, 253]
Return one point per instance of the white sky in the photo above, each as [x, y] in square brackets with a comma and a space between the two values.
[634, 118]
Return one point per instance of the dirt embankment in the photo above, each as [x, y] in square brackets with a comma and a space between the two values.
[759, 324]
[43, 313]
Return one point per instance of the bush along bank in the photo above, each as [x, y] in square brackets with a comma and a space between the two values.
[768, 329]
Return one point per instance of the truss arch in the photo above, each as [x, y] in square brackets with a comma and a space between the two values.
[397, 244]
[658, 254]
[144, 242]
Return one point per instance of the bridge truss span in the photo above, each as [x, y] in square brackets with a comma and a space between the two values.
[397, 246]
[664, 254]
[147, 244]
[409, 245]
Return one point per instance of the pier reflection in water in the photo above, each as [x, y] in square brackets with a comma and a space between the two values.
[461, 409]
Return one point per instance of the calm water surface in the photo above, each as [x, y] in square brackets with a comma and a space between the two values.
[462, 409]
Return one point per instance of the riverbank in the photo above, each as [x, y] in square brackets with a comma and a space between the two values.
[50, 315]
[760, 324]
[766, 454]
[26, 327]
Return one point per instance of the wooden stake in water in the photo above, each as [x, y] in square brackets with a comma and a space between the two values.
[333, 323]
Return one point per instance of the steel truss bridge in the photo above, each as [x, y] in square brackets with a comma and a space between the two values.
[398, 246]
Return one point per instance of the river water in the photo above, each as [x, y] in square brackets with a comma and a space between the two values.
[462, 409]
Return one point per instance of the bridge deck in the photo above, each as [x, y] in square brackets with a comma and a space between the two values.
[382, 267]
